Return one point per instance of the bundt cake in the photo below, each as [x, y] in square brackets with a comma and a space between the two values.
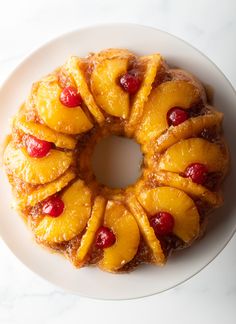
[185, 159]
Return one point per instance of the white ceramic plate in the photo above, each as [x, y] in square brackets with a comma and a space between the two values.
[146, 280]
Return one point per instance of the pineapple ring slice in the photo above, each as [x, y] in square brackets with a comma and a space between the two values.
[94, 223]
[193, 150]
[106, 91]
[146, 230]
[47, 190]
[55, 114]
[44, 133]
[179, 74]
[124, 226]
[193, 189]
[77, 202]
[161, 100]
[36, 170]
[178, 204]
[190, 128]
[152, 63]
[74, 68]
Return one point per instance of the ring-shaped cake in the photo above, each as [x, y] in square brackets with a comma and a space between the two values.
[185, 159]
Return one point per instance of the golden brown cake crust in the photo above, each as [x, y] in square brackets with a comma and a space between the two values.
[107, 109]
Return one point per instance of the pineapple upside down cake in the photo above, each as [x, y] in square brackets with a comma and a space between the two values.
[185, 159]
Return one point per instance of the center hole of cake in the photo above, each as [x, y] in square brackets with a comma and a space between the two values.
[116, 161]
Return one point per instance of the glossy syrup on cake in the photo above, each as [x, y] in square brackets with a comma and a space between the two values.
[185, 160]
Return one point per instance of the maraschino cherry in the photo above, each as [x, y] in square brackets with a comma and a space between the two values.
[176, 116]
[35, 147]
[53, 206]
[70, 97]
[130, 83]
[105, 237]
[162, 223]
[197, 172]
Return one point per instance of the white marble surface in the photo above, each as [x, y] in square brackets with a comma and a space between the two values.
[210, 297]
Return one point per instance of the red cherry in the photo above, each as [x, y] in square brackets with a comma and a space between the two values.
[197, 172]
[162, 223]
[130, 83]
[176, 116]
[35, 147]
[70, 97]
[53, 206]
[105, 237]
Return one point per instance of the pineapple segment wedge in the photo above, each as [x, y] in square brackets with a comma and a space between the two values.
[94, 223]
[47, 190]
[161, 100]
[186, 185]
[44, 133]
[178, 204]
[189, 128]
[146, 230]
[36, 170]
[54, 114]
[105, 88]
[73, 66]
[126, 230]
[77, 202]
[193, 150]
[152, 63]
[111, 53]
